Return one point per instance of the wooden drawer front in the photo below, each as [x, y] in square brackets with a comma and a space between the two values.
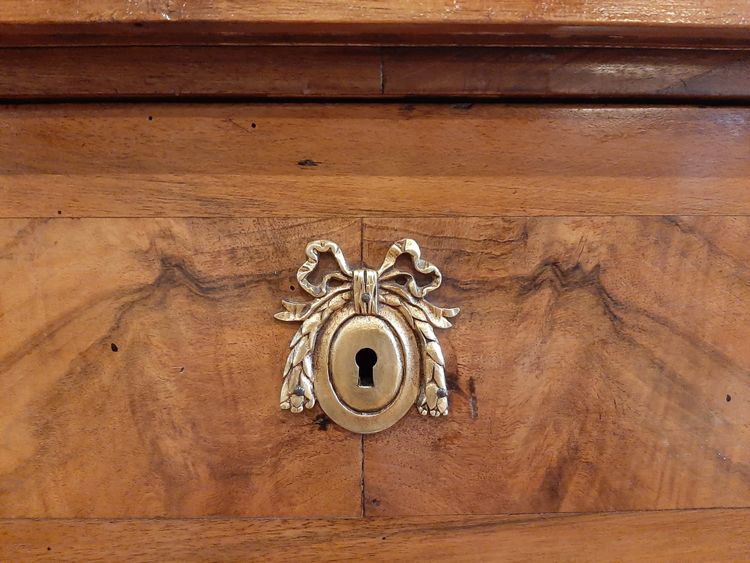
[599, 257]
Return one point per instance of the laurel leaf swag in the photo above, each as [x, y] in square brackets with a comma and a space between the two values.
[297, 392]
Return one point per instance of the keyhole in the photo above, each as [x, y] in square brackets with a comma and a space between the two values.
[366, 359]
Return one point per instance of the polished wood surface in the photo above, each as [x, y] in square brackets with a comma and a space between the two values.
[445, 21]
[599, 12]
[598, 364]
[673, 74]
[589, 370]
[383, 73]
[707, 535]
[140, 367]
[172, 71]
[372, 160]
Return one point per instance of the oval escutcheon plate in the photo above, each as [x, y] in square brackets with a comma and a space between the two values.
[366, 350]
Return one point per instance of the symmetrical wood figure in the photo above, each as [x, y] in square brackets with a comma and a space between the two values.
[595, 369]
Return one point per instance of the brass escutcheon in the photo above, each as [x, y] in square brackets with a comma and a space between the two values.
[366, 350]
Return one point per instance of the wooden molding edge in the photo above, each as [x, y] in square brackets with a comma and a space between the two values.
[309, 72]
[400, 30]
[679, 535]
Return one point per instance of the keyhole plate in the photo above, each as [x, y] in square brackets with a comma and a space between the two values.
[395, 374]
[361, 332]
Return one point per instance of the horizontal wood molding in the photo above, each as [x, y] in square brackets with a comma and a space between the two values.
[534, 73]
[673, 22]
[372, 160]
[231, 72]
[665, 536]
[173, 72]
[727, 13]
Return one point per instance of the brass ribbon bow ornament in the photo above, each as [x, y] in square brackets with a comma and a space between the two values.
[389, 286]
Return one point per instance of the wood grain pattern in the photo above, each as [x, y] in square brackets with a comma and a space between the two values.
[598, 364]
[561, 73]
[707, 535]
[678, 12]
[171, 72]
[567, 21]
[370, 160]
[174, 71]
[140, 368]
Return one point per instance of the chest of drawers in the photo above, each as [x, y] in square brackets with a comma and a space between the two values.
[592, 229]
